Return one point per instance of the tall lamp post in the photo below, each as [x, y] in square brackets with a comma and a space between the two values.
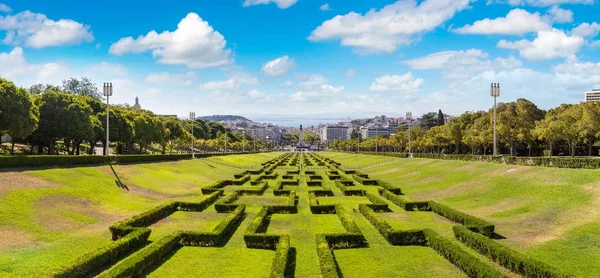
[192, 119]
[495, 92]
[107, 92]
[409, 119]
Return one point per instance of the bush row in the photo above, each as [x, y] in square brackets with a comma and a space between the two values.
[505, 256]
[364, 180]
[466, 262]
[317, 208]
[327, 263]
[387, 186]
[349, 190]
[219, 235]
[393, 236]
[87, 264]
[404, 204]
[378, 205]
[282, 257]
[150, 217]
[473, 223]
[558, 162]
[226, 204]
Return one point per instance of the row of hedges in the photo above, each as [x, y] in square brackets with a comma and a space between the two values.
[226, 204]
[471, 222]
[349, 190]
[505, 256]
[135, 264]
[558, 162]
[466, 262]
[393, 236]
[364, 180]
[378, 205]
[150, 217]
[403, 203]
[317, 208]
[327, 263]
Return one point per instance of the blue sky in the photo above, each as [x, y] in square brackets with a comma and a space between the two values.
[308, 58]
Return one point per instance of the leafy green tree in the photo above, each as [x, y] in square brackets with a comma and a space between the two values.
[83, 87]
[550, 129]
[79, 124]
[589, 124]
[18, 113]
[54, 118]
[429, 120]
[479, 134]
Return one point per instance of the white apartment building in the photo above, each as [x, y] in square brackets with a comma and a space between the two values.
[330, 133]
[593, 95]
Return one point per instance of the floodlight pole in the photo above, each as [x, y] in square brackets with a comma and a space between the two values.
[495, 92]
[409, 119]
[193, 118]
[107, 91]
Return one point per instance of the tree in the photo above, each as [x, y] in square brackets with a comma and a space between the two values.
[528, 114]
[18, 113]
[480, 133]
[550, 129]
[38, 89]
[440, 118]
[429, 120]
[79, 124]
[83, 87]
[589, 124]
[54, 118]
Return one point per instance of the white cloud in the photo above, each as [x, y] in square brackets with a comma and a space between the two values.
[278, 67]
[37, 31]
[312, 80]
[543, 3]
[385, 30]
[282, 4]
[108, 69]
[172, 79]
[317, 93]
[14, 67]
[405, 82]
[559, 15]
[325, 7]
[194, 43]
[548, 45]
[226, 85]
[5, 9]
[287, 84]
[586, 29]
[351, 73]
[516, 22]
[595, 44]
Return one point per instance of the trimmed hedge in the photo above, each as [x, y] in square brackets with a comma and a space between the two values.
[327, 263]
[225, 204]
[471, 222]
[466, 262]
[109, 254]
[378, 205]
[317, 208]
[282, 256]
[348, 190]
[505, 256]
[404, 204]
[364, 180]
[393, 236]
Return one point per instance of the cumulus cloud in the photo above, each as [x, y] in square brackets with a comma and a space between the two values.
[586, 29]
[548, 45]
[405, 82]
[543, 3]
[516, 22]
[287, 84]
[172, 79]
[15, 67]
[278, 67]
[37, 31]
[194, 43]
[385, 30]
[282, 4]
[225, 85]
[559, 15]
[317, 93]
[325, 7]
[5, 8]
[312, 80]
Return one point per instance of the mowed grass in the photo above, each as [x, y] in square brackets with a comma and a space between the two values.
[50, 217]
[549, 213]
[244, 159]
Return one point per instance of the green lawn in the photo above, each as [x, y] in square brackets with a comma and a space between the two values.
[50, 217]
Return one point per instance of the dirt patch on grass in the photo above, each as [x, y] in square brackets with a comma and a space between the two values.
[411, 174]
[11, 238]
[502, 206]
[69, 213]
[395, 216]
[394, 170]
[429, 179]
[455, 190]
[15, 180]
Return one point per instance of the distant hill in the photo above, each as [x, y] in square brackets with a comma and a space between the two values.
[220, 118]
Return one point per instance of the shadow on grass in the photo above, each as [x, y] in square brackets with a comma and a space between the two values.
[290, 268]
[497, 236]
[118, 181]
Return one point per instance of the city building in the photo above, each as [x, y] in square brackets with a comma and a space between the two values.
[593, 95]
[266, 133]
[370, 132]
[330, 133]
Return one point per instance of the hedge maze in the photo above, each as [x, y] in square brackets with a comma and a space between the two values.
[342, 209]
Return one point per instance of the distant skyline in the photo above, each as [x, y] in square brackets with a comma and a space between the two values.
[289, 60]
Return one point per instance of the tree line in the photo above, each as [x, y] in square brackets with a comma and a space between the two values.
[51, 118]
[522, 129]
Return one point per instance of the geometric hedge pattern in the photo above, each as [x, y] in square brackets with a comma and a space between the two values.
[327, 185]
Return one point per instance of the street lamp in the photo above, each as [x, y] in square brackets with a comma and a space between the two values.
[409, 119]
[495, 92]
[107, 92]
[192, 118]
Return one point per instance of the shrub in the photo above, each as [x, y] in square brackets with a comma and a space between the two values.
[327, 262]
[282, 255]
[349, 191]
[111, 253]
[406, 205]
[471, 222]
[466, 262]
[226, 204]
[505, 256]
[394, 237]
